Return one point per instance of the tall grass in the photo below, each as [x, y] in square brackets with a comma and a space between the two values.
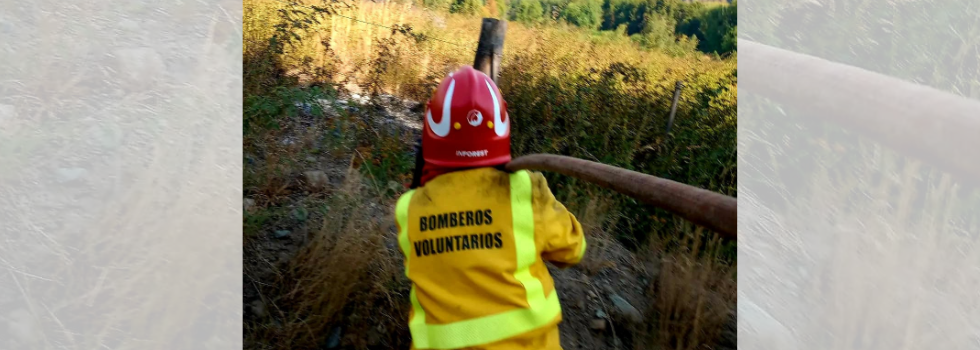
[694, 292]
[346, 276]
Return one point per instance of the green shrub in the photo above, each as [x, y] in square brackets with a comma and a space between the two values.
[583, 13]
[437, 4]
[466, 7]
[526, 11]
[658, 32]
[718, 26]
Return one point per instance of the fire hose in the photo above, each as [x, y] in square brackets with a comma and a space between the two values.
[714, 211]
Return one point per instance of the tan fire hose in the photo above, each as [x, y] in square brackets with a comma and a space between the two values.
[712, 210]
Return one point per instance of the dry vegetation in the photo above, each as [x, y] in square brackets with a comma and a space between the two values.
[337, 276]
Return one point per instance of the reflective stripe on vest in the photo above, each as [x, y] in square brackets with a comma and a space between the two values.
[488, 329]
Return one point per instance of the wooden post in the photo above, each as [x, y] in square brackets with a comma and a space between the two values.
[490, 48]
[673, 106]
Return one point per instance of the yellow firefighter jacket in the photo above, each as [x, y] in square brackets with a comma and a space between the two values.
[475, 242]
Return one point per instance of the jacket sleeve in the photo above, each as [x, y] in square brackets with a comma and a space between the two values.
[557, 231]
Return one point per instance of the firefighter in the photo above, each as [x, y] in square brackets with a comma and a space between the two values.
[475, 237]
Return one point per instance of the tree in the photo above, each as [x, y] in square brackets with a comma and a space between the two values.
[730, 43]
[719, 30]
[498, 8]
[526, 11]
[467, 7]
[658, 32]
[583, 13]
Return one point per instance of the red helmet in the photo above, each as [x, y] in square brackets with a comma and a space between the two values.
[466, 122]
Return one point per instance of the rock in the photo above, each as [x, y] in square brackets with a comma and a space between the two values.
[359, 99]
[300, 214]
[70, 174]
[139, 65]
[258, 308]
[311, 159]
[334, 340]
[282, 233]
[600, 313]
[315, 179]
[305, 109]
[623, 308]
[22, 326]
[598, 324]
[248, 203]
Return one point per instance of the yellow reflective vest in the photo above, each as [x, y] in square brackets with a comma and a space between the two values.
[475, 242]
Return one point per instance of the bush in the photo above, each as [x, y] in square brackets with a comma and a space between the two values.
[657, 33]
[615, 112]
[526, 11]
[437, 4]
[719, 30]
[497, 8]
[583, 13]
[467, 7]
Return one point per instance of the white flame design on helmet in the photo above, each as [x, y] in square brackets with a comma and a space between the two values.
[442, 128]
[499, 127]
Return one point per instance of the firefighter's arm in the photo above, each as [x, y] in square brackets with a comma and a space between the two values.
[557, 231]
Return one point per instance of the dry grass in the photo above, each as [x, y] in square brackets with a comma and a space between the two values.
[695, 293]
[693, 288]
[345, 276]
[347, 47]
